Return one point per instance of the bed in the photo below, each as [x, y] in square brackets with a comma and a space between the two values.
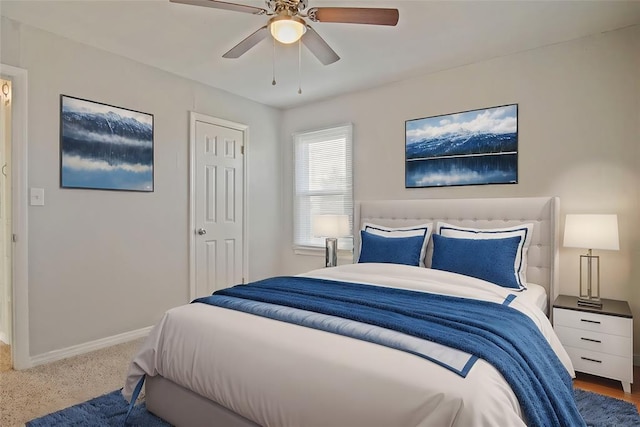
[209, 365]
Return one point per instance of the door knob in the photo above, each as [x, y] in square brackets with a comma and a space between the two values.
[202, 231]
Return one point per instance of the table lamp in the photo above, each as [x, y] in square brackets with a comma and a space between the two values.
[330, 227]
[591, 232]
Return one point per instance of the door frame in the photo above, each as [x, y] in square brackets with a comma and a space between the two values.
[20, 254]
[198, 117]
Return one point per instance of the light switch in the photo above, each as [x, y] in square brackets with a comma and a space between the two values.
[36, 196]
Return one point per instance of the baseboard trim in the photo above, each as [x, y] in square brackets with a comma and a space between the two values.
[5, 338]
[76, 350]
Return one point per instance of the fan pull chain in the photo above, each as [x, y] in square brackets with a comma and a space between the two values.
[299, 66]
[273, 82]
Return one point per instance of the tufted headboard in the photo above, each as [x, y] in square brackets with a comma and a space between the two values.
[543, 212]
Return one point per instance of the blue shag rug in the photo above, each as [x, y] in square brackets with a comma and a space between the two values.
[603, 411]
[107, 410]
[110, 409]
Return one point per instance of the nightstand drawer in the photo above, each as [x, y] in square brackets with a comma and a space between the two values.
[594, 341]
[604, 365]
[593, 322]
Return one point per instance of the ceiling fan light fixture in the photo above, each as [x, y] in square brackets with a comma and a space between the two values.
[287, 29]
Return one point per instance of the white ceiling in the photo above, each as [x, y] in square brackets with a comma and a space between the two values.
[430, 36]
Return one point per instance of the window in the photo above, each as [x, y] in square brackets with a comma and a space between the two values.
[323, 182]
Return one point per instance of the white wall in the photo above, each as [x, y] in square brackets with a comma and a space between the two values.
[103, 263]
[579, 137]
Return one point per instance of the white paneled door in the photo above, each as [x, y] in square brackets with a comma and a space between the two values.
[218, 204]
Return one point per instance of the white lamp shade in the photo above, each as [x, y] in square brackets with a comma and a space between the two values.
[330, 225]
[287, 29]
[591, 232]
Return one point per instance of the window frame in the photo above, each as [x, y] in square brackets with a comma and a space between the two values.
[345, 244]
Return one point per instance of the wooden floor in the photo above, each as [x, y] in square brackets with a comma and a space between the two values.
[609, 387]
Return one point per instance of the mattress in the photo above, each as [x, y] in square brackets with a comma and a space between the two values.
[281, 374]
[536, 295]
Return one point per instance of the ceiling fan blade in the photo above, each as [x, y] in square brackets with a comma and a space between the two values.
[319, 47]
[354, 15]
[238, 50]
[224, 5]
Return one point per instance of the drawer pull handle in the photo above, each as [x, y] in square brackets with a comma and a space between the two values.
[591, 340]
[589, 321]
[591, 360]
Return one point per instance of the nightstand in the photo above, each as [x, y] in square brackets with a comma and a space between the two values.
[599, 340]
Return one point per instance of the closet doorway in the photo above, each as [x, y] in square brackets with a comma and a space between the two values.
[15, 239]
[6, 283]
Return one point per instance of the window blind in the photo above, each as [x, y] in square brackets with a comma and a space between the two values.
[323, 182]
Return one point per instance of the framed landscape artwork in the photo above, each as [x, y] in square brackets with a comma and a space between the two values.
[468, 148]
[105, 147]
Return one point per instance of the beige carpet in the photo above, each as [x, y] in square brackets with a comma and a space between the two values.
[32, 393]
[5, 357]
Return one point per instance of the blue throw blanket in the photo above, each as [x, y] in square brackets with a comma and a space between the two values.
[496, 333]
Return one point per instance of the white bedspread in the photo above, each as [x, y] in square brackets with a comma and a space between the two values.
[280, 374]
[535, 294]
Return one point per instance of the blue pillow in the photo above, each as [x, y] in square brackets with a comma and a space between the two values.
[410, 231]
[393, 250]
[524, 231]
[487, 259]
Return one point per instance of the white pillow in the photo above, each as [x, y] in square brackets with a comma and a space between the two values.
[409, 231]
[524, 231]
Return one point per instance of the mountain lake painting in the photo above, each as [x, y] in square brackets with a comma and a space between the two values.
[105, 147]
[469, 148]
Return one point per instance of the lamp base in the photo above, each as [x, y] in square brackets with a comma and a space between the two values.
[590, 302]
[331, 252]
[589, 281]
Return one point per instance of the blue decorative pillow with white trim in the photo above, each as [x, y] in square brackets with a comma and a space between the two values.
[393, 250]
[423, 230]
[523, 231]
[487, 259]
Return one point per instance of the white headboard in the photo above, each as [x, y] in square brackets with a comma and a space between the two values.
[543, 212]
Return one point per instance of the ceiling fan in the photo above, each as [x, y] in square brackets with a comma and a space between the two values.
[287, 25]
